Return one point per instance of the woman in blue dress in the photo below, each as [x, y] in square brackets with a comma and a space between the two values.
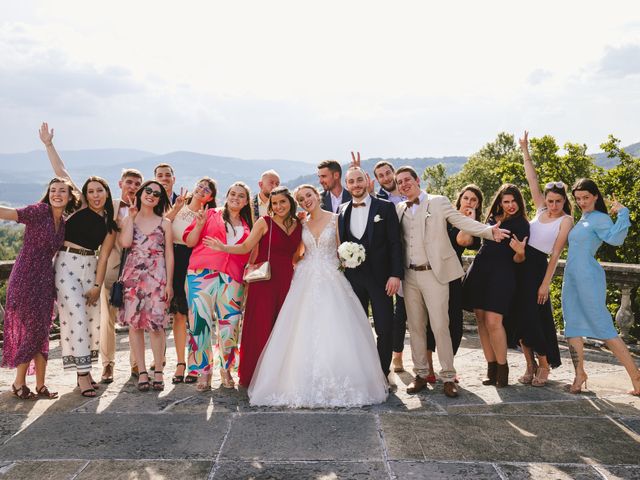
[584, 286]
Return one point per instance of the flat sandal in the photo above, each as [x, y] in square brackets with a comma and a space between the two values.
[23, 393]
[143, 386]
[43, 392]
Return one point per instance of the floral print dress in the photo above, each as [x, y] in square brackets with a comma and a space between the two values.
[145, 278]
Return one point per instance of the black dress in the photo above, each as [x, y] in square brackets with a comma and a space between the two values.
[455, 296]
[492, 281]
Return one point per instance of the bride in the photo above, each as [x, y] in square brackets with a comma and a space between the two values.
[321, 352]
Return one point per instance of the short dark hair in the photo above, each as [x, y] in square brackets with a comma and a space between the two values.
[588, 185]
[332, 165]
[407, 169]
[380, 164]
[163, 165]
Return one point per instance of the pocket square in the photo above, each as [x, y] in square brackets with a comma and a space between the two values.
[377, 219]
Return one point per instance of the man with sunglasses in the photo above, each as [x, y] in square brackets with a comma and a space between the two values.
[130, 181]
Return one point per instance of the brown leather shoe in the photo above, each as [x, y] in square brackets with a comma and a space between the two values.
[397, 363]
[450, 389]
[417, 385]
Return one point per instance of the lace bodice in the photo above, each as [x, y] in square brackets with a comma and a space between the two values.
[323, 248]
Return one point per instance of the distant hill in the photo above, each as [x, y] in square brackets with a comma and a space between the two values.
[604, 161]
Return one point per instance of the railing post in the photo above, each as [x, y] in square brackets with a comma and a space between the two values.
[624, 315]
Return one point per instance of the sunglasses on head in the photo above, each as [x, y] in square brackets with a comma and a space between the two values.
[151, 191]
[554, 184]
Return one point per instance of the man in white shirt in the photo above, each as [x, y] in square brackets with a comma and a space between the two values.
[260, 201]
[165, 176]
[330, 177]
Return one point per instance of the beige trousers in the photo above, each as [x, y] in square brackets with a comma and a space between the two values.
[427, 300]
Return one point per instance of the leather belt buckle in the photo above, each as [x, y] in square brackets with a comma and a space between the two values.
[420, 268]
[78, 251]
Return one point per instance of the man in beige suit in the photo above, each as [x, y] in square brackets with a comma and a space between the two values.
[430, 264]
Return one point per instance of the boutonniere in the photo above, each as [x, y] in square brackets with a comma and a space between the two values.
[427, 215]
[377, 219]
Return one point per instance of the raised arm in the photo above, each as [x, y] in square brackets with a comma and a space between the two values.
[59, 169]
[7, 213]
[259, 229]
[530, 172]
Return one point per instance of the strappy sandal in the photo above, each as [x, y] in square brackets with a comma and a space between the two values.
[541, 377]
[143, 386]
[158, 385]
[226, 380]
[43, 392]
[192, 377]
[107, 374]
[204, 385]
[179, 378]
[89, 392]
[23, 393]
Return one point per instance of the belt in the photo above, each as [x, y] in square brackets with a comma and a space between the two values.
[78, 251]
[420, 268]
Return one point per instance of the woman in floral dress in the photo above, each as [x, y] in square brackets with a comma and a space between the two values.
[148, 277]
[31, 291]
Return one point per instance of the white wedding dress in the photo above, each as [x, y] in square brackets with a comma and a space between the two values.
[321, 352]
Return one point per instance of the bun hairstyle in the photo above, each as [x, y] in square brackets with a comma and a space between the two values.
[588, 185]
[496, 205]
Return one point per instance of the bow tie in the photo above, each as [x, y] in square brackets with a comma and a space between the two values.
[123, 204]
[361, 204]
[415, 202]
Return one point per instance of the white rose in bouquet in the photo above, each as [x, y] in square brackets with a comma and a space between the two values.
[351, 255]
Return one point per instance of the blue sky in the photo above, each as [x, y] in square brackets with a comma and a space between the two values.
[313, 80]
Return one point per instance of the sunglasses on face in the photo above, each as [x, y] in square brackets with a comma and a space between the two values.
[554, 184]
[205, 189]
[151, 191]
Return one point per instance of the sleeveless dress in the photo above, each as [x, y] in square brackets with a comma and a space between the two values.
[145, 277]
[321, 352]
[31, 292]
[266, 298]
[584, 287]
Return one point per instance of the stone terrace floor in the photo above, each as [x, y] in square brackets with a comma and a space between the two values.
[517, 432]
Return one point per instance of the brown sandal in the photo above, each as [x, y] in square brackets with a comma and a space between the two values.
[43, 392]
[23, 393]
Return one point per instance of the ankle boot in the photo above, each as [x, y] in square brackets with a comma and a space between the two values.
[502, 375]
[492, 368]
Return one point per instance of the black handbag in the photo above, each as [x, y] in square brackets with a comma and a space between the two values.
[117, 289]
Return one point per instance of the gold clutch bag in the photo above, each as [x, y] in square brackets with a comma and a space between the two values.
[257, 272]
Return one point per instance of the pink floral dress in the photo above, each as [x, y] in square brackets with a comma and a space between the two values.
[145, 279]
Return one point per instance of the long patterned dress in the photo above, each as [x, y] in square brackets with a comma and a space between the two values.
[584, 287]
[145, 278]
[31, 291]
[266, 298]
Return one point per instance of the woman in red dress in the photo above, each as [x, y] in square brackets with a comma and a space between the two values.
[279, 240]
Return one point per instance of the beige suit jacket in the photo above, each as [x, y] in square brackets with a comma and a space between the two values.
[442, 257]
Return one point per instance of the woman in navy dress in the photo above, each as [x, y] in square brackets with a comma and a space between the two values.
[490, 285]
[584, 287]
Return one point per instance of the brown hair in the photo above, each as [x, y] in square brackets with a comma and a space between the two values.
[496, 207]
[408, 169]
[245, 212]
[163, 200]
[214, 191]
[291, 216]
[74, 198]
[131, 172]
[112, 226]
[382, 163]
[332, 165]
[472, 187]
[163, 165]
[588, 185]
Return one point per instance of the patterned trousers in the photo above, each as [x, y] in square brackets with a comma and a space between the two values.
[79, 322]
[215, 305]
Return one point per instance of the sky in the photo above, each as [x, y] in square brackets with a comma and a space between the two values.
[309, 81]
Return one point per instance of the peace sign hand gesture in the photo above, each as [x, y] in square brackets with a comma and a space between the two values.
[181, 199]
[201, 216]
[524, 142]
[355, 159]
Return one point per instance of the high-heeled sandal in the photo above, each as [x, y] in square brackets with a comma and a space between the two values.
[89, 392]
[529, 375]
[43, 392]
[23, 393]
[226, 380]
[107, 374]
[636, 393]
[143, 386]
[179, 378]
[204, 385]
[577, 389]
[541, 377]
[158, 385]
[191, 377]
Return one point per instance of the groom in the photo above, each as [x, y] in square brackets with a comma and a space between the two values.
[373, 223]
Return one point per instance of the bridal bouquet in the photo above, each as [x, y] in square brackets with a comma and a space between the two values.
[351, 255]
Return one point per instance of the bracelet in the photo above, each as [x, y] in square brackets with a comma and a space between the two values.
[96, 285]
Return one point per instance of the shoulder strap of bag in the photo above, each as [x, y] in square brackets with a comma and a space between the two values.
[270, 230]
[123, 260]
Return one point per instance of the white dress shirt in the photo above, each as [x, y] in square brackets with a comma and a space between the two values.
[359, 216]
[422, 197]
[335, 201]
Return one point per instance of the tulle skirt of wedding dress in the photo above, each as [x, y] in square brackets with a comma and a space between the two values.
[321, 352]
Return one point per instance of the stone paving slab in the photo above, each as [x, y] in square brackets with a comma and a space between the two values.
[620, 472]
[301, 470]
[83, 436]
[303, 436]
[549, 472]
[509, 439]
[57, 470]
[11, 424]
[146, 469]
[443, 471]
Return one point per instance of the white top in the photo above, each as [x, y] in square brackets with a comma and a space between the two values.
[359, 217]
[335, 201]
[183, 219]
[422, 197]
[234, 234]
[542, 236]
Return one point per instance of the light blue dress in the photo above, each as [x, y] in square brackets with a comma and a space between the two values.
[584, 286]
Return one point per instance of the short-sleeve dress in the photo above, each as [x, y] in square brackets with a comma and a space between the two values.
[31, 291]
[584, 287]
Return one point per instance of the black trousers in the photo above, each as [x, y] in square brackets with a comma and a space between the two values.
[399, 324]
[368, 292]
